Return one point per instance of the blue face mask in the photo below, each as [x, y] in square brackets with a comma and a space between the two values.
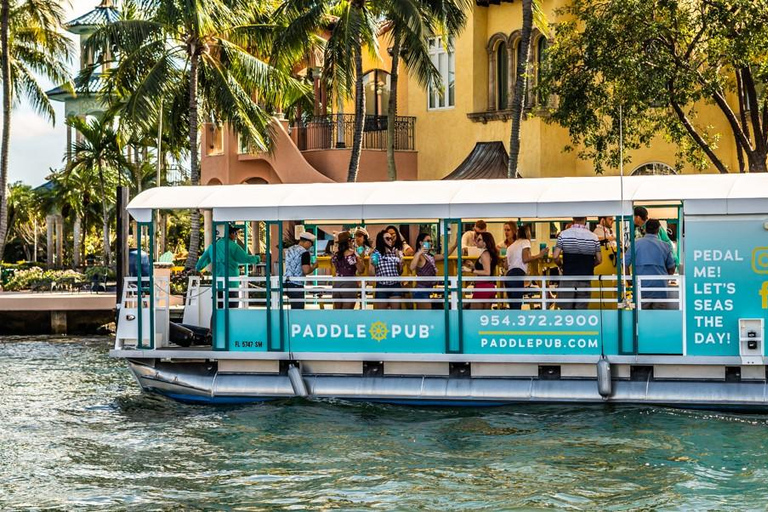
[427, 246]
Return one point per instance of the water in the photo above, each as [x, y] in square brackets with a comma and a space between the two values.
[76, 433]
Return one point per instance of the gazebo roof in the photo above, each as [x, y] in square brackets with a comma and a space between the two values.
[103, 14]
[486, 161]
[63, 92]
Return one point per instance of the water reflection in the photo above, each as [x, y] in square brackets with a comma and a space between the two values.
[76, 433]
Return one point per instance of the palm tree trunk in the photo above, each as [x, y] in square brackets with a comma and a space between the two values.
[194, 236]
[4, 145]
[357, 141]
[104, 217]
[392, 110]
[521, 85]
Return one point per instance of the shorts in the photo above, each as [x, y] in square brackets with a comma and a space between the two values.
[339, 293]
[484, 295]
[420, 293]
[388, 294]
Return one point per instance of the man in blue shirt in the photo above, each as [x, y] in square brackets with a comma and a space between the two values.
[653, 257]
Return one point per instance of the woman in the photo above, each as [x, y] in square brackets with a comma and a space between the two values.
[485, 266]
[518, 257]
[386, 261]
[400, 243]
[346, 263]
[510, 234]
[362, 242]
[423, 265]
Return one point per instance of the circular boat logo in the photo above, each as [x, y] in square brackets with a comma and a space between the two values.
[379, 331]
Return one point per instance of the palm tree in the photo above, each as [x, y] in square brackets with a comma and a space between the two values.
[98, 152]
[350, 27]
[33, 48]
[532, 14]
[411, 23]
[77, 193]
[196, 53]
[24, 214]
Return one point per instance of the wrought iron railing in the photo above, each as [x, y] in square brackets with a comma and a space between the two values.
[337, 131]
[176, 175]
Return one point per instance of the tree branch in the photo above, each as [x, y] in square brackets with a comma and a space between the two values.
[698, 138]
[731, 118]
[754, 113]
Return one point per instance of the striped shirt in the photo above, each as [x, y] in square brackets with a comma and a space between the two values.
[579, 246]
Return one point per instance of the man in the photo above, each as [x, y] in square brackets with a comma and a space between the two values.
[641, 218]
[229, 256]
[653, 257]
[138, 258]
[468, 238]
[580, 251]
[604, 230]
[298, 263]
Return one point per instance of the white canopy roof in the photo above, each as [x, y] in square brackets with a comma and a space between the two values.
[707, 194]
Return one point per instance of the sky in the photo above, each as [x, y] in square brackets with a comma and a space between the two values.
[37, 145]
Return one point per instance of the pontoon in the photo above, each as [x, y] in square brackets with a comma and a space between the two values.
[704, 348]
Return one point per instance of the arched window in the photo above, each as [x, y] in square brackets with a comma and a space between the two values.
[653, 169]
[498, 72]
[541, 55]
[502, 76]
[376, 90]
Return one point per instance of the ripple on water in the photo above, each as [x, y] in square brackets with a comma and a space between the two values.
[76, 433]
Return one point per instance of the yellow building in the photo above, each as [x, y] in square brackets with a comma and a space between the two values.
[437, 131]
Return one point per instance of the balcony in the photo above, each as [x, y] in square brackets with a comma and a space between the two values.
[336, 131]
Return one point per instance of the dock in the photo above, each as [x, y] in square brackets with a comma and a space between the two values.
[55, 312]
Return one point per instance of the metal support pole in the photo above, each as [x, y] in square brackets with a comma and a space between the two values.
[139, 288]
[446, 285]
[150, 255]
[268, 272]
[634, 291]
[460, 286]
[281, 278]
[214, 290]
[226, 287]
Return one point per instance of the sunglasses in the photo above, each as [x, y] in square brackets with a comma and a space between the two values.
[387, 238]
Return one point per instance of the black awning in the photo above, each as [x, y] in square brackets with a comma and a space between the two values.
[486, 161]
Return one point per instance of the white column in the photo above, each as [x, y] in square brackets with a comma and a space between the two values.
[49, 227]
[76, 242]
[59, 240]
[207, 228]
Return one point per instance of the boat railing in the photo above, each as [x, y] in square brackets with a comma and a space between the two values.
[364, 292]
[660, 292]
[137, 316]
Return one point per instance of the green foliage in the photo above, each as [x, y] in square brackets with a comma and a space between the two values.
[38, 49]
[37, 279]
[153, 48]
[25, 219]
[659, 61]
[99, 272]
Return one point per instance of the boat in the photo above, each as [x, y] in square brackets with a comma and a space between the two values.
[700, 343]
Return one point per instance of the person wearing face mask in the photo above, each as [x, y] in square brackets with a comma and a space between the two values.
[362, 242]
[346, 263]
[386, 261]
[423, 265]
[399, 242]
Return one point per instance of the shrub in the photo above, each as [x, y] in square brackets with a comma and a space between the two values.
[37, 279]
